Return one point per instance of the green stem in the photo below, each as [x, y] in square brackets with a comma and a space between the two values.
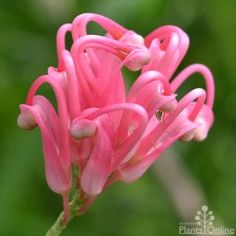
[58, 226]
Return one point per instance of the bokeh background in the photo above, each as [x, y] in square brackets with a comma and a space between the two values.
[188, 176]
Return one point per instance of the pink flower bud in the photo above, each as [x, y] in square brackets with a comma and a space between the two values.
[137, 59]
[133, 39]
[82, 128]
[204, 120]
[26, 120]
[139, 56]
[203, 123]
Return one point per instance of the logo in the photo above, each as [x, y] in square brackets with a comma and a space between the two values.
[204, 225]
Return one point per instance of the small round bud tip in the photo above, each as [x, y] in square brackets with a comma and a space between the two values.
[82, 129]
[26, 120]
[132, 38]
[137, 59]
[201, 132]
[140, 55]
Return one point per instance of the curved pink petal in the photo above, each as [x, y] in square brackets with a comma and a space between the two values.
[131, 172]
[196, 94]
[174, 127]
[73, 89]
[61, 43]
[57, 174]
[96, 170]
[93, 87]
[203, 120]
[113, 88]
[83, 132]
[131, 127]
[79, 25]
[149, 77]
[152, 91]
[171, 45]
[57, 87]
[207, 75]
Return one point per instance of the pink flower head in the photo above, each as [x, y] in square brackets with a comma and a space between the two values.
[108, 134]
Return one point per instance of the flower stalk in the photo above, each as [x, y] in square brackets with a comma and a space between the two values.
[73, 210]
[59, 225]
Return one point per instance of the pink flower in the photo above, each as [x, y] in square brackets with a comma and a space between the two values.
[109, 135]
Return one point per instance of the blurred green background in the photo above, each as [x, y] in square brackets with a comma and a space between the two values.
[144, 208]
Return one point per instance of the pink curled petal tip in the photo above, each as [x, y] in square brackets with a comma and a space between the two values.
[26, 120]
[82, 128]
[137, 59]
[134, 169]
[96, 170]
[204, 120]
[207, 75]
[133, 39]
[171, 44]
[140, 56]
[80, 23]
[58, 179]
[152, 91]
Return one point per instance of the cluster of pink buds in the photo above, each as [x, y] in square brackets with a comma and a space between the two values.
[109, 134]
